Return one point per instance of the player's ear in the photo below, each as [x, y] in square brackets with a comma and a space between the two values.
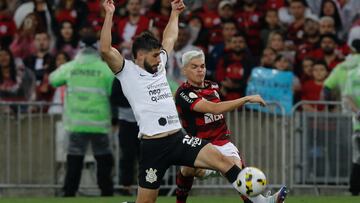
[140, 55]
[183, 70]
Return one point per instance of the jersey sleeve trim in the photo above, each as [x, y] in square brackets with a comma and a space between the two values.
[167, 56]
[122, 67]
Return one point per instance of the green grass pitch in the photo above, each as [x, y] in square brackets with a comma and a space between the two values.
[198, 199]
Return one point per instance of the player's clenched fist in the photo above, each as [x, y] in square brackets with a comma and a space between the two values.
[109, 6]
[177, 5]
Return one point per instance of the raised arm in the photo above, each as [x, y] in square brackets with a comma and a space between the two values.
[205, 106]
[111, 55]
[172, 28]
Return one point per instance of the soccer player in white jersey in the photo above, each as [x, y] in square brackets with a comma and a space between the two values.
[144, 83]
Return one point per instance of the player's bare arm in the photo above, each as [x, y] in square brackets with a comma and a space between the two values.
[205, 106]
[171, 30]
[111, 55]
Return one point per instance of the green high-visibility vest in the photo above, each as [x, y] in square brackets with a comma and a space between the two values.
[88, 83]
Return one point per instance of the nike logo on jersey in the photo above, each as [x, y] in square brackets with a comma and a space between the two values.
[142, 75]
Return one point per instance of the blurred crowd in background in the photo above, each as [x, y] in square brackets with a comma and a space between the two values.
[306, 37]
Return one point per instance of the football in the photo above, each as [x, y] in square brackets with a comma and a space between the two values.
[251, 181]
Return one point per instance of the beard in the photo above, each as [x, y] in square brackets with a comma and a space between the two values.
[328, 51]
[149, 68]
[239, 51]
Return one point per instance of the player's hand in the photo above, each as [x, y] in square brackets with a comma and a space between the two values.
[109, 6]
[177, 6]
[257, 99]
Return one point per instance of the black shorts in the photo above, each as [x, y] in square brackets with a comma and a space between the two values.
[157, 155]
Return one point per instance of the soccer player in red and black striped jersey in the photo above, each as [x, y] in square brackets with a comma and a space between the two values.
[201, 112]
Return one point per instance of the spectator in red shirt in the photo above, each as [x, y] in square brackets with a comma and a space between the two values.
[234, 68]
[93, 7]
[296, 29]
[268, 58]
[159, 13]
[209, 13]
[41, 8]
[226, 10]
[23, 43]
[327, 25]
[229, 29]
[131, 26]
[249, 20]
[75, 11]
[274, 4]
[328, 51]
[311, 89]
[310, 41]
[272, 23]
[7, 25]
[331, 8]
[306, 69]
[276, 41]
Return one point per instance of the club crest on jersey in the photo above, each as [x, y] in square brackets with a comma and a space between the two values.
[209, 118]
[192, 95]
[192, 141]
[151, 175]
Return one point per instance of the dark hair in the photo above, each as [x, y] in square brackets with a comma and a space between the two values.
[232, 21]
[53, 61]
[240, 34]
[335, 16]
[43, 32]
[321, 62]
[303, 2]
[272, 49]
[279, 57]
[12, 66]
[356, 45]
[145, 41]
[4, 5]
[60, 42]
[308, 58]
[331, 36]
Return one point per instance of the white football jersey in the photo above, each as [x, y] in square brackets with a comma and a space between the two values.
[150, 97]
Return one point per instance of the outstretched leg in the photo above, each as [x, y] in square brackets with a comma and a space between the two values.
[210, 157]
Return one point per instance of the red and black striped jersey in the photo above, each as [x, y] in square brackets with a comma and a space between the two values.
[202, 125]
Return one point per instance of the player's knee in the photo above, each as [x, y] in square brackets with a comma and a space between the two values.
[200, 173]
[187, 172]
[224, 163]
